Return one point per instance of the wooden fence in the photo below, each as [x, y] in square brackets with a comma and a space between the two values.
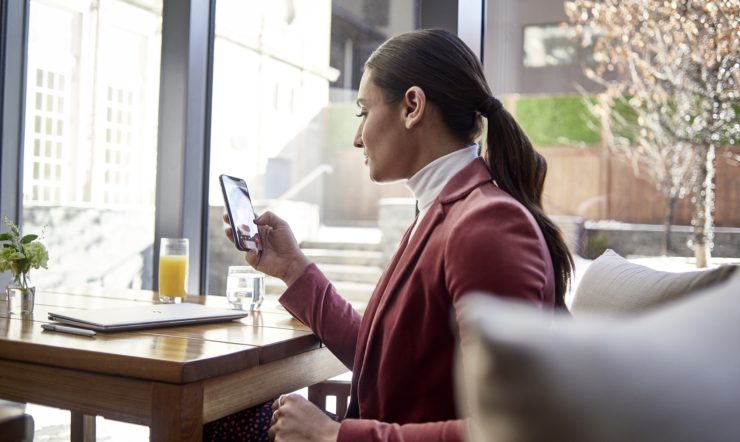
[588, 182]
[595, 184]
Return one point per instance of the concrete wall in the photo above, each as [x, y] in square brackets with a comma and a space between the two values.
[646, 240]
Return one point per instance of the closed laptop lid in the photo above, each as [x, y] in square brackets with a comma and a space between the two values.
[146, 316]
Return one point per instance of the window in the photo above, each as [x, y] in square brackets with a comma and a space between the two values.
[285, 77]
[47, 133]
[550, 45]
[91, 137]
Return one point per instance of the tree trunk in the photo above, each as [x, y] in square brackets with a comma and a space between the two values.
[703, 199]
[670, 201]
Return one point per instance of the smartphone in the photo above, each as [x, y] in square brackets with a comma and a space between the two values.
[241, 213]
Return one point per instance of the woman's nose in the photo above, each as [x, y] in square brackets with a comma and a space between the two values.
[358, 140]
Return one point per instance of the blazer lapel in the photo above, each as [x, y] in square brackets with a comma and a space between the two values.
[370, 313]
[460, 185]
[406, 260]
[409, 257]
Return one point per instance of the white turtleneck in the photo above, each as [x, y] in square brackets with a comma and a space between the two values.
[427, 183]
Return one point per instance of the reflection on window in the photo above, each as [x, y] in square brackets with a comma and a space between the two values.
[90, 142]
[118, 166]
[47, 135]
[550, 45]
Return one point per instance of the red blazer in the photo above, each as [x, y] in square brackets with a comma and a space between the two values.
[401, 352]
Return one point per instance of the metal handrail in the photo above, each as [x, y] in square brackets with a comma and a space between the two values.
[305, 181]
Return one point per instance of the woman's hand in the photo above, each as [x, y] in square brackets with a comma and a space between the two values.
[280, 256]
[296, 419]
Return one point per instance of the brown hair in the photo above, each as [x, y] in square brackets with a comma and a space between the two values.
[451, 76]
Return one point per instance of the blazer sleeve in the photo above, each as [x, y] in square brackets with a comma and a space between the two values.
[497, 248]
[352, 430]
[314, 301]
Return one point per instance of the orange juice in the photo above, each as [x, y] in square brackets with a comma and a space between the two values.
[173, 275]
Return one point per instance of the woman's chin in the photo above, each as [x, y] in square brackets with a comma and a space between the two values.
[376, 177]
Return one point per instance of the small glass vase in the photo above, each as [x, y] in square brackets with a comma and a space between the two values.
[20, 300]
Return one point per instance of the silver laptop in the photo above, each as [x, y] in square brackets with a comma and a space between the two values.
[146, 316]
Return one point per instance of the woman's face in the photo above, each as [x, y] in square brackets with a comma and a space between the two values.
[382, 135]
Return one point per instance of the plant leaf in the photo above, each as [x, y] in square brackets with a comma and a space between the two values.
[9, 246]
[4, 236]
[28, 238]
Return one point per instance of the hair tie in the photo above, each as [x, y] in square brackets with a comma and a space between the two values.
[490, 106]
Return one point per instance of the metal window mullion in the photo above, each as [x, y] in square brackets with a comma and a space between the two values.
[466, 18]
[183, 145]
[471, 24]
[13, 60]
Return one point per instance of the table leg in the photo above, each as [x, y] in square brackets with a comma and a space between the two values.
[82, 427]
[177, 412]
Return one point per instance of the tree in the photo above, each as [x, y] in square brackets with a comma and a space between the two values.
[677, 63]
[633, 128]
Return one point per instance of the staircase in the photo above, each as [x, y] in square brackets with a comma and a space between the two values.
[353, 266]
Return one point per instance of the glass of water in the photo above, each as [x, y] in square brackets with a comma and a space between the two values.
[245, 287]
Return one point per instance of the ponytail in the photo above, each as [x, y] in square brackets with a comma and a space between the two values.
[452, 77]
[520, 170]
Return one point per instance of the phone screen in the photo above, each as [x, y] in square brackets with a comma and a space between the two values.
[241, 213]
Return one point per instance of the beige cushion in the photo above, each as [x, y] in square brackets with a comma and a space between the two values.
[669, 375]
[614, 286]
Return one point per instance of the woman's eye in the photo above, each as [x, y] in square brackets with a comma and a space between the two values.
[361, 114]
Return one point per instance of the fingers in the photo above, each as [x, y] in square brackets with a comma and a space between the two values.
[270, 219]
[244, 229]
[276, 404]
[227, 230]
[271, 432]
[229, 233]
[279, 401]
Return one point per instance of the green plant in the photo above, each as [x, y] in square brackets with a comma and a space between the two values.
[557, 121]
[596, 244]
[21, 253]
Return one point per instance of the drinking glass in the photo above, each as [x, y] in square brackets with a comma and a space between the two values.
[173, 269]
[245, 286]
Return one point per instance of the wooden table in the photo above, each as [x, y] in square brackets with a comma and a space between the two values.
[172, 379]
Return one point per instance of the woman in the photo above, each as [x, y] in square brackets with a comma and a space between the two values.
[480, 227]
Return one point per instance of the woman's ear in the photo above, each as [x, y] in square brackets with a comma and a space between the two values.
[414, 105]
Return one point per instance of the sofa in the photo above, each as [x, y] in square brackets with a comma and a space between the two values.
[643, 356]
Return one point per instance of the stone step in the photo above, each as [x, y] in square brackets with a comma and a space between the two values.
[345, 257]
[351, 273]
[342, 245]
[351, 291]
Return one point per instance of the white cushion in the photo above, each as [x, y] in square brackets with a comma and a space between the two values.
[612, 285]
[670, 375]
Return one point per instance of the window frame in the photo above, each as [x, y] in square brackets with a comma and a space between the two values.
[183, 139]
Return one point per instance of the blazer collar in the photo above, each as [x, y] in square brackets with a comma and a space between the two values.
[470, 177]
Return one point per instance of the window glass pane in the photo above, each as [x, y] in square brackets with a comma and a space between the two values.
[286, 74]
[88, 60]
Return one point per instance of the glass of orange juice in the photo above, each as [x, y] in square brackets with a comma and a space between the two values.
[173, 269]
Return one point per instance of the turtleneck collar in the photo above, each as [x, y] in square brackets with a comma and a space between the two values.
[427, 183]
